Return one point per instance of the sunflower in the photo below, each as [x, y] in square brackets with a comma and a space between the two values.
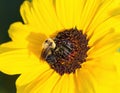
[65, 46]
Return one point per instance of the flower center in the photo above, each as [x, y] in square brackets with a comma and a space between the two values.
[67, 51]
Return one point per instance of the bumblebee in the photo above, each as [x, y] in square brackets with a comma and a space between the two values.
[48, 46]
[54, 51]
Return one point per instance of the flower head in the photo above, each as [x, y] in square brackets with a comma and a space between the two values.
[65, 46]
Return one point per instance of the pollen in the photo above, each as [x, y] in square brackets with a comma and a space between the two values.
[69, 53]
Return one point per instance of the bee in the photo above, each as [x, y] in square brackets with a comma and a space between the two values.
[54, 51]
[48, 46]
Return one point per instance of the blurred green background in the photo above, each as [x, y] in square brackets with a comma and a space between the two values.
[9, 13]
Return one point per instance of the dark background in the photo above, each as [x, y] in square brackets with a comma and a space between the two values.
[9, 13]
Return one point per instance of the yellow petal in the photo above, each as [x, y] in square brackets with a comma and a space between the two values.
[106, 10]
[19, 33]
[44, 83]
[116, 60]
[62, 85]
[72, 86]
[24, 36]
[17, 61]
[35, 44]
[85, 81]
[106, 37]
[104, 48]
[89, 9]
[105, 72]
[11, 45]
[21, 89]
[110, 26]
[31, 74]
[66, 86]
[41, 15]
[69, 12]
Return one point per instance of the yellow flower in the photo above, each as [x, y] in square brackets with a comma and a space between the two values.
[65, 46]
